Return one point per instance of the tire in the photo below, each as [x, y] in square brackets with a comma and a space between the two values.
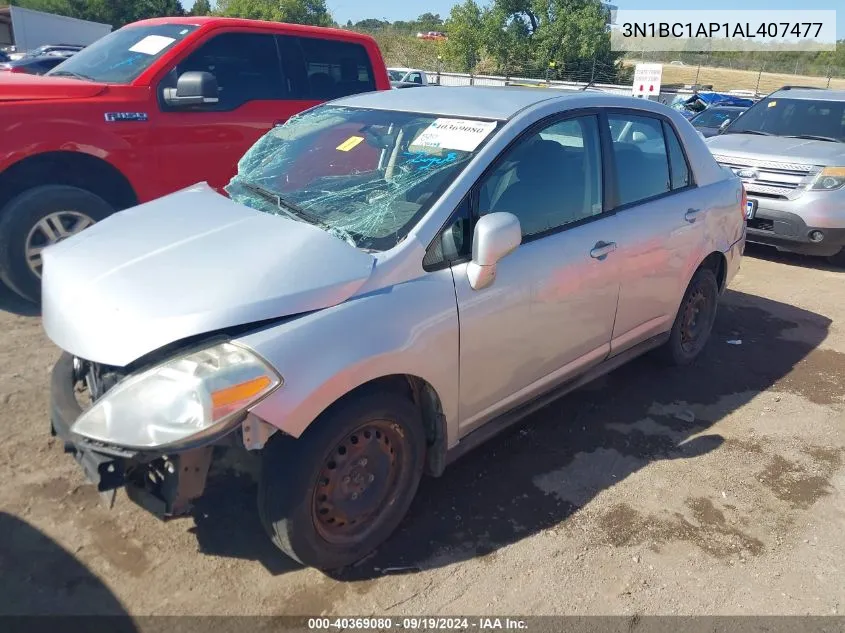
[301, 497]
[688, 339]
[65, 210]
[838, 259]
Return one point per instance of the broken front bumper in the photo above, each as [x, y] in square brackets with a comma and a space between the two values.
[163, 483]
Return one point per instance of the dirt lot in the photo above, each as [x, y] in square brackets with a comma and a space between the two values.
[717, 489]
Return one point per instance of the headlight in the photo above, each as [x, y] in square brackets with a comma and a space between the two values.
[187, 398]
[829, 179]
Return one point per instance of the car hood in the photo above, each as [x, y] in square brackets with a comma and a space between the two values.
[23, 87]
[189, 263]
[778, 149]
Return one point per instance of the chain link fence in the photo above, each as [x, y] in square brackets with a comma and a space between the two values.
[750, 73]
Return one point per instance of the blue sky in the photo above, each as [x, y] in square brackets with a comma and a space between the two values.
[355, 10]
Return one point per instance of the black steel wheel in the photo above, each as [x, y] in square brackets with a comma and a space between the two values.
[332, 496]
[694, 321]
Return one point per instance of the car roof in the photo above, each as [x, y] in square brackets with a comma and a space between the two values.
[815, 95]
[213, 21]
[481, 102]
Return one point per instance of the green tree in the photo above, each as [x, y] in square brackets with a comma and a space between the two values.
[429, 22]
[371, 24]
[312, 12]
[114, 12]
[466, 35]
[570, 36]
[201, 7]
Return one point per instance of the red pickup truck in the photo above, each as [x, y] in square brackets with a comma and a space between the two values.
[153, 107]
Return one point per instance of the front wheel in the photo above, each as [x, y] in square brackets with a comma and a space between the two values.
[37, 218]
[332, 496]
[694, 321]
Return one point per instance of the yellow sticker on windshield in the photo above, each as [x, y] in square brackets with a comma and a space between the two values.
[351, 143]
[772, 104]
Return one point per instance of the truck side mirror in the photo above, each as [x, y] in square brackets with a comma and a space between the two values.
[193, 88]
[724, 125]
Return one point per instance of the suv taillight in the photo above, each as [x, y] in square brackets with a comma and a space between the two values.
[743, 203]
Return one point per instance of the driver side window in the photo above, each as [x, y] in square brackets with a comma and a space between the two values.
[549, 179]
[246, 66]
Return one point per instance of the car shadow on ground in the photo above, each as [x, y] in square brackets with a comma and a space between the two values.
[537, 474]
[11, 302]
[771, 254]
[40, 578]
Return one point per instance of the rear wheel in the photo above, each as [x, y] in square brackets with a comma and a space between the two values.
[37, 218]
[694, 321]
[332, 496]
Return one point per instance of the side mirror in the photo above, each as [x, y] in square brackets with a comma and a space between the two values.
[193, 88]
[724, 125]
[497, 235]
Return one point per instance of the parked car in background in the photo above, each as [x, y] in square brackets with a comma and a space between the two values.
[432, 35]
[714, 118]
[64, 50]
[789, 150]
[467, 255]
[34, 65]
[151, 108]
[692, 105]
[4, 57]
[408, 75]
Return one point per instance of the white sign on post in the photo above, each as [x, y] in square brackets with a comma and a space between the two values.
[647, 80]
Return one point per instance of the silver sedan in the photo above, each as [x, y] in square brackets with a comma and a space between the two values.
[391, 279]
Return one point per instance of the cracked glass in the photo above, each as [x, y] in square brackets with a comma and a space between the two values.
[366, 176]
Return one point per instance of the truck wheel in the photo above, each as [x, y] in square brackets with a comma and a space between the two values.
[37, 218]
[694, 320]
[332, 496]
[838, 259]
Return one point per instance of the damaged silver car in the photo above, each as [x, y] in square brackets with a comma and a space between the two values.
[391, 279]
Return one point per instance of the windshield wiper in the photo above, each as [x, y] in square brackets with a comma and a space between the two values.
[291, 209]
[288, 208]
[70, 73]
[758, 132]
[814, 137]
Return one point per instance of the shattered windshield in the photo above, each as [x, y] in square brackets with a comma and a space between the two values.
[366, 176]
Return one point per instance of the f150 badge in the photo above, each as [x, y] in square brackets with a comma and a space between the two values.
[117, 117]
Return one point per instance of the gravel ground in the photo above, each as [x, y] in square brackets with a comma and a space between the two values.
[716, 489]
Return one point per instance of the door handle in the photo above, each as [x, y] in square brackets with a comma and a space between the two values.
[602, 249]
[691, 215]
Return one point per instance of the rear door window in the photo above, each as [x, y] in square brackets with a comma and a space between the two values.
[642, 162]
[335, 69]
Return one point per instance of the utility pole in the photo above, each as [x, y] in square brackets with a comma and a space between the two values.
[760, 74]
[593, 71]
[828, 75]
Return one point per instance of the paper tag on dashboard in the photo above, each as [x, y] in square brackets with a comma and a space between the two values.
[459, 134]
[152, 44]
[349, 144]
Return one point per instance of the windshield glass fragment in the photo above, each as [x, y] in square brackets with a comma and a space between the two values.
[366, 176]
